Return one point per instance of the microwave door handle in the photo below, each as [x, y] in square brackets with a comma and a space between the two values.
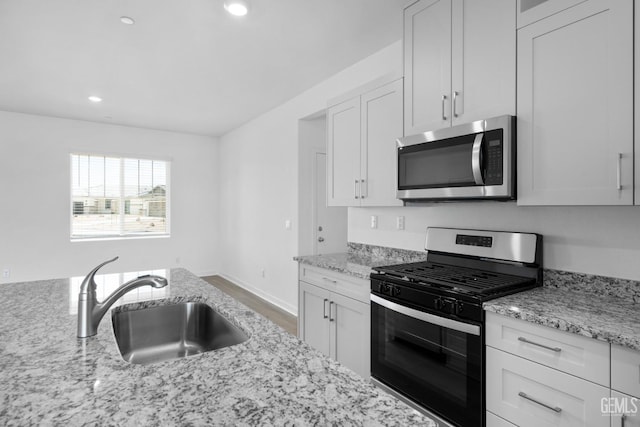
[476, 159]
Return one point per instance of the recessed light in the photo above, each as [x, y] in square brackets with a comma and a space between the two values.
[127, 20]
[94, 98]
[236, 7]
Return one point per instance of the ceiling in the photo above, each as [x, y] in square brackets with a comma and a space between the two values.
[186, 65]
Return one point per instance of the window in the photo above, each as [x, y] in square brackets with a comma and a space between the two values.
[118, 197]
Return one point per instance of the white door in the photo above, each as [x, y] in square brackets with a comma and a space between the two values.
[381, 111]
[575, 107]
[313, 326]
[343, 150]
[330, 223]
[427, 67]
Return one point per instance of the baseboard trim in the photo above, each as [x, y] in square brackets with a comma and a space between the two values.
[265, 296]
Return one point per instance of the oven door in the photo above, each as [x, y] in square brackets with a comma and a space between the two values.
[434, 361]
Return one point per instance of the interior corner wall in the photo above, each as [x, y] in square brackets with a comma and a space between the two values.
[259, 184]
[35, 199]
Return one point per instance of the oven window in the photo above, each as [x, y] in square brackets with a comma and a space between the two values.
[438, 367]
[436, 164]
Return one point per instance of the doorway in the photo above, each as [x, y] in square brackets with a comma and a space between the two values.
[322, 229]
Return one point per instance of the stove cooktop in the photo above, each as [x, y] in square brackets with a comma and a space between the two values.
[480, 284]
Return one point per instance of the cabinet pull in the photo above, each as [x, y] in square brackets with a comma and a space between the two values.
[455, 98]
[553, 408]
[324, 309]
[331, 317]
[444, 98]
[623, 418]
[619, 172]
[355, 189]
[326, 279]
[556, 349]
[363, 194]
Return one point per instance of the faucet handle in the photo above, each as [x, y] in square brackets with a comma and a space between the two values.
[88, 282]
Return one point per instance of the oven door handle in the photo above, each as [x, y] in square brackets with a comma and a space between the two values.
[476, 159]
[467, 328]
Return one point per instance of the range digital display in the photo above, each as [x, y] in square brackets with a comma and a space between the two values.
[468, 240]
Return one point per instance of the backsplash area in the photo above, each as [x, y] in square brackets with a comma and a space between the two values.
[594, 284]
[393, 255]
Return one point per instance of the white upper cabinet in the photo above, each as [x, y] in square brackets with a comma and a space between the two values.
[361, 144]
[343, 152]
[460, 62]
[575, 106]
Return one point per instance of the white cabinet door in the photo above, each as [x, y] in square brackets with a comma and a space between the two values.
[483, 59]
[313, 325]
[575, 106]
[624, 410]
[531, 395]
[381, 126]
[625, 370]
[350, 336]
[427, 67]
[343, 153]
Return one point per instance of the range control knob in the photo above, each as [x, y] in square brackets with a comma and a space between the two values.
[384, 288]
[396, 291]
[459, 307]
[439, 303]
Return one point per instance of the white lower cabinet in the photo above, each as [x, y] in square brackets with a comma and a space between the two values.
[625, 370]
[495, 421]
[335, 324]
[624, 410]
[529, 394]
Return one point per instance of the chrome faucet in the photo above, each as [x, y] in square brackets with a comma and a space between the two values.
[91, 312]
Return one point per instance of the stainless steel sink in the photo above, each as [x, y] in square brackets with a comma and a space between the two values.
[165, 332]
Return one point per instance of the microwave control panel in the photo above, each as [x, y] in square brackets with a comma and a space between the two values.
[494, 155]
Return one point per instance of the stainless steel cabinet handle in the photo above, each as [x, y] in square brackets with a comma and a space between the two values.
[444, 98]
[623, 418]
[326, 279]
[619, 172]
[324, 309]
[331, 317]
[363, 194]
[355, 189]
[553, 408]
[556, 349]
[455, 98]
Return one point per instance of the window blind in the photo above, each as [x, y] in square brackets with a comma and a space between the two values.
[118, 196]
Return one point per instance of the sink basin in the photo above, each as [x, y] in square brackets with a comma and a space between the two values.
[165, 332]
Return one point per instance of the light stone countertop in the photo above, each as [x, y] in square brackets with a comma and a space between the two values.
[579, 310]
[50, 377]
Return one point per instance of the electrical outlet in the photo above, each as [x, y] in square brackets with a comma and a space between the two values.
[6, 273]
[400, 222]
[287, 224]
[264, 273]
[374, 221]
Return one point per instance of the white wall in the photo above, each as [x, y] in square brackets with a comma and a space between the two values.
[35, 199]
[602, 240]
[259, 175]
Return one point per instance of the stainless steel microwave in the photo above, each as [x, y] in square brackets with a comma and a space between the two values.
[473, 161]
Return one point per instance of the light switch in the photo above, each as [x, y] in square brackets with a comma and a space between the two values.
[400, 222]
[287, 224]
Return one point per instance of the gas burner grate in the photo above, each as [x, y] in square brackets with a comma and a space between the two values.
[461, 279]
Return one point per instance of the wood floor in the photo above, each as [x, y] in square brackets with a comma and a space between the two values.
[278, 316]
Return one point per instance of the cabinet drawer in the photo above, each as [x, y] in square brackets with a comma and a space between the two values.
[625, 370]
[529, 394]
[530, 11]
[495, 421]
[580, 356]
[349, 286]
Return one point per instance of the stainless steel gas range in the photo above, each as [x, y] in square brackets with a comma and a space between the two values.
[427, 322]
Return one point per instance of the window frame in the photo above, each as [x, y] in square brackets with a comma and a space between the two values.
[122, 198]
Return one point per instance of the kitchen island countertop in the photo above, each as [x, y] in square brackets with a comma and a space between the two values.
[50, 377]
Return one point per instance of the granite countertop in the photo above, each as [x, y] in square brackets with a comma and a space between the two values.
[51, 377]
[361, 258]
[580, 304]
